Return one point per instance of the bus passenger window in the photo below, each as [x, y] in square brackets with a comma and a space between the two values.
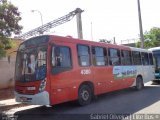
[83, 55]
[61, 56]
[114, 56]
[145, 59]
[126, 57]
[150, 58]
[99, 56]
[136, 58]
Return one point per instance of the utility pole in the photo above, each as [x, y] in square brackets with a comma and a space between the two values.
[91, 32]
[79, 23]
[114, 40]
[61, 20]
[140, 25]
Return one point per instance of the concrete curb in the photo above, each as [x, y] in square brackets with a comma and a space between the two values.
[9, 104]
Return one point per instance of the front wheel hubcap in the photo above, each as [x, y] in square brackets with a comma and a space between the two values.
[85, 95]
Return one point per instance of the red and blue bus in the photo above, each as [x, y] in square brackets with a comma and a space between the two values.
[53, 69]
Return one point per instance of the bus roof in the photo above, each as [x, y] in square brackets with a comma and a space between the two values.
[154, 49]
[57, 39]
[88, 42]
[139, 49]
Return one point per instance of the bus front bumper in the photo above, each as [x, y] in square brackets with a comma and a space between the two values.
[37, 99]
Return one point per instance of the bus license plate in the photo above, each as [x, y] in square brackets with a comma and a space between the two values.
[23, 99]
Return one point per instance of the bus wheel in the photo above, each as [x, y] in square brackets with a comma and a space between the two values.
[84, 95]
[156, 82]
[139, 83]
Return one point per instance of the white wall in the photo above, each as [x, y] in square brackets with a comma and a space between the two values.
[7, 73]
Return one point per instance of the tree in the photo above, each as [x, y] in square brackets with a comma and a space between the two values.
[152, 38]
[9, 19]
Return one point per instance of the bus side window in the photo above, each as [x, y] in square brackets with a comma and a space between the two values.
[136, 58]
[99, 56]
[114, 56]
[83, 55]
[150, 58]
[145, 59]
[126, 57]
[61, 59]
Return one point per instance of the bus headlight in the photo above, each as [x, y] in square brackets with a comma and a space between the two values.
[42, 86]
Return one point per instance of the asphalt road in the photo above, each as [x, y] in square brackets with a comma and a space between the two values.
[123, 102]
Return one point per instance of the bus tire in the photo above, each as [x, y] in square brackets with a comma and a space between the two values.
[84, 95]
[139, 83]
[155, 81]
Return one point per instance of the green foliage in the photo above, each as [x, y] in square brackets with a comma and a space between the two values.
[2, 53]
[9, 19]
[152, 38]
[2, 50]
[138, 44]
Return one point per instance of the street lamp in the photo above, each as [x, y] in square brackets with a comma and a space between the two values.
[40, 15]
[140, 24]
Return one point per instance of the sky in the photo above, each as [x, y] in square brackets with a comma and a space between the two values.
[106, 18]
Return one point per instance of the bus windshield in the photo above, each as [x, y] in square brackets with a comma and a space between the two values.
[31, 64]
[156, 55]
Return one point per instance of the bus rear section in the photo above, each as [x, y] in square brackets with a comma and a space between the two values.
[143, 61]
